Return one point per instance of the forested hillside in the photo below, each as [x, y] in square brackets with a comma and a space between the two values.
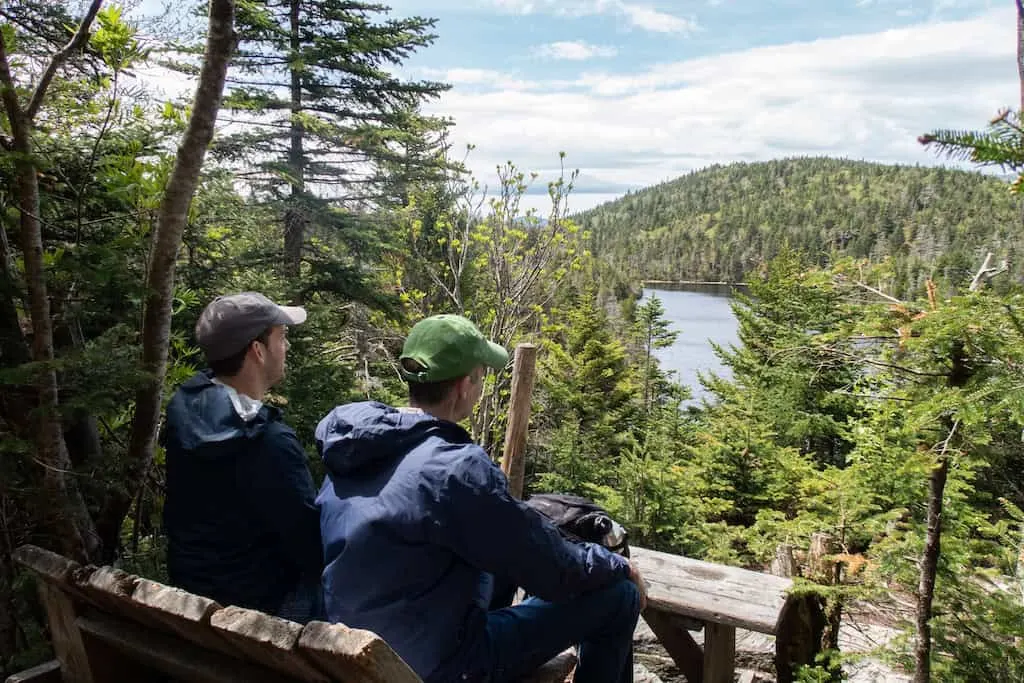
[722, 222]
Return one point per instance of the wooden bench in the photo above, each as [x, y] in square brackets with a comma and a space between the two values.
[686, 594]
[108, 625]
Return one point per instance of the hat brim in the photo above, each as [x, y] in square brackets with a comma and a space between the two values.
[495, 356]
[292, 315]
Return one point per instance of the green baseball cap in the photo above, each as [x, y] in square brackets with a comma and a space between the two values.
[448, 346]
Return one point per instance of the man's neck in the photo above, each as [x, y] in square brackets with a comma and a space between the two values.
[439, 411]
[247, 386]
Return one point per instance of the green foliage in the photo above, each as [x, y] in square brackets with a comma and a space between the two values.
[726, 222]
[1001, 145]
[588, 399]
[652, 332]
[328, 131]
[840, 403]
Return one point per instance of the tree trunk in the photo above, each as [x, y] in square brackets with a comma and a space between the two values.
[929, 568]
[156, 325]
[930, 560]
[68, 517]
[295, 218]
[1020, 51]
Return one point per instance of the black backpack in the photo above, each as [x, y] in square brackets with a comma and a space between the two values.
[580, 519]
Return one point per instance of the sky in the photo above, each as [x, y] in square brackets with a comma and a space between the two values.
[636, 92]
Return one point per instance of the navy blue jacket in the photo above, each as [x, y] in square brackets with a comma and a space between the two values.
[240, 511]
[417, 524]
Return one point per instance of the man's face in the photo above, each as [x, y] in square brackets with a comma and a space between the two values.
[275, 353]
[470, 391]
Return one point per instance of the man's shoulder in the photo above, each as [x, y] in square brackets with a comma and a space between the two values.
[464, 462]
[275, 429]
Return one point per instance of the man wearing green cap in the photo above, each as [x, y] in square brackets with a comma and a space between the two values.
[421, 536]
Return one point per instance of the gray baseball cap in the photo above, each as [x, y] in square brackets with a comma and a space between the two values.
[229, 323]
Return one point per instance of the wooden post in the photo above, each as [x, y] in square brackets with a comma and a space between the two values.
[513, 461]
[784, 564]
[821, 566]
[674, 636]
[798, 636]
[719, 652]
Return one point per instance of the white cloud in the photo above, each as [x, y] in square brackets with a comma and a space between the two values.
[640, 16]
[574, 50]
[865, 96]
[661, 22]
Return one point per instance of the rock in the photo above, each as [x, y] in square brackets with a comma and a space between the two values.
[641, 674]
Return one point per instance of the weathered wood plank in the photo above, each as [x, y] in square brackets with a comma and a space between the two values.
[68, 646]
[719, 653]
[176, 611]
[555, 670]
[348, 654]
[107, 587]
[108, 664]
[711, 592]
[53, 568]
[172, 656]
[47, 672]
[271, 641]
[513, 462]
[163, 608]
[47, 565]
[674, 636]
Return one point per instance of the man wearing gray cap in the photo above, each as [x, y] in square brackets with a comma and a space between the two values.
[240, 513]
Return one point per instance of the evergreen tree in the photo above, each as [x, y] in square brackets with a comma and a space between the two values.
[789, 365]
[327, 126]
[587, 396]
[652, 332]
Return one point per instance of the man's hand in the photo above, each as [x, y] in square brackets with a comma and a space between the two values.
[634, 576]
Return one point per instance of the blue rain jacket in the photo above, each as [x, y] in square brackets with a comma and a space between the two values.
[418, 525]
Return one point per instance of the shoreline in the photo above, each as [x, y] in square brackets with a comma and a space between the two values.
[645, 283]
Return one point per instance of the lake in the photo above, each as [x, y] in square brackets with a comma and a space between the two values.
[699, 313]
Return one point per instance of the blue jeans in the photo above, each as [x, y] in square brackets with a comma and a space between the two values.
[518, 640]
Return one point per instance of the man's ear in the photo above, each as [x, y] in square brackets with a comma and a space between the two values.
[257, 348]
[462, 386]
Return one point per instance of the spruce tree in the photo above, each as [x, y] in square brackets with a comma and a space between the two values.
[652, 332]
[325, 123]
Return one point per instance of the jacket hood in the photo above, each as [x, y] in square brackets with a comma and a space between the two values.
[201, 412]
[368, 434]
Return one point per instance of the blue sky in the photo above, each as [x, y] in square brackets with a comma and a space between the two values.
[640, 91]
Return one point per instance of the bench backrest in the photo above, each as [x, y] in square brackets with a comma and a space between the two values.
[103, 619]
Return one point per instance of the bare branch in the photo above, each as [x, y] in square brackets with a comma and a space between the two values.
[81, 35]
[879, 292]
[986, 273]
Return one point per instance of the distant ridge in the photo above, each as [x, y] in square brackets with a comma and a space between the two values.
[722, 222]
